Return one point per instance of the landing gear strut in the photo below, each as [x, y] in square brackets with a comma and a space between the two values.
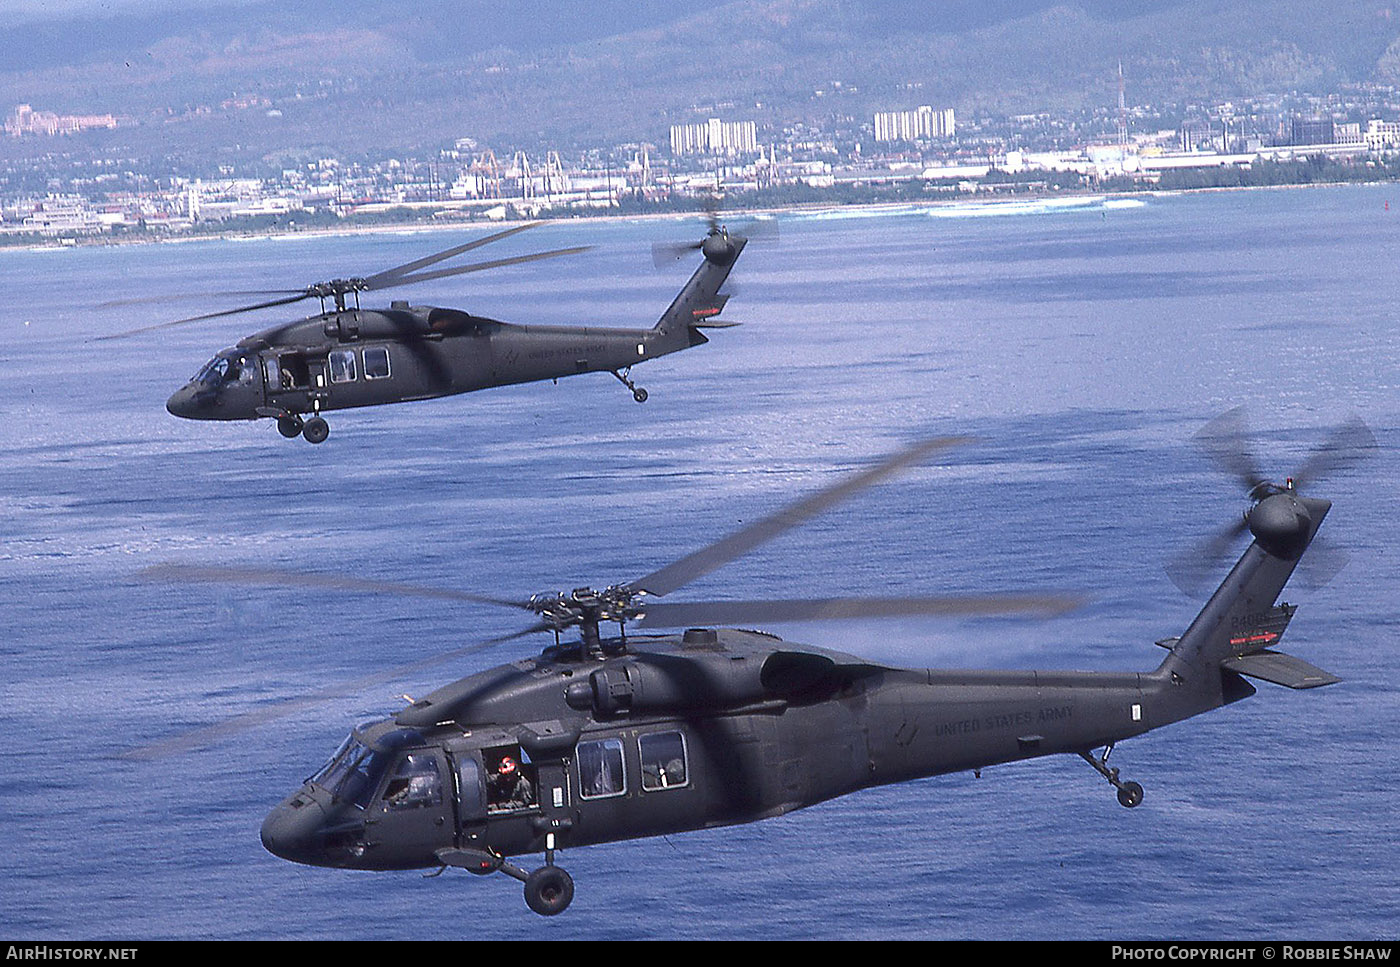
[1129, 793]
[638, 394]
[548, 890]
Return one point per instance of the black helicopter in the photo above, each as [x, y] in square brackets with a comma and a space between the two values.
[610, 738]
[346, 356]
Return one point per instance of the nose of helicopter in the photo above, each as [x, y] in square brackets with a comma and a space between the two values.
[294, 831]
[182, 403]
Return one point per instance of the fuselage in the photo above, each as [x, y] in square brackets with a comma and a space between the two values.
[680, 733]
[357, 358]
[352, 357]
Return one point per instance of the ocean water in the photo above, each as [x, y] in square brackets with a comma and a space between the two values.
[1079, 343]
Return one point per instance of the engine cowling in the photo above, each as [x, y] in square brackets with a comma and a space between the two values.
[658, 684]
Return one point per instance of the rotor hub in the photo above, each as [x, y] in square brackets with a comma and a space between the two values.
[718, 249]
[1280, 523]
[584, 606]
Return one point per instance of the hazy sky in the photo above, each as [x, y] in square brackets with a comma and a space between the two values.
[61, 9]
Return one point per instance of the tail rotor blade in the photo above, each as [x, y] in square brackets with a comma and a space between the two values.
[1224, 439]
[665, 254]
[1345, 446]
[1193, 570]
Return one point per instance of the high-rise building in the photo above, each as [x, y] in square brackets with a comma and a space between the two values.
[920, 124]
[714, 137]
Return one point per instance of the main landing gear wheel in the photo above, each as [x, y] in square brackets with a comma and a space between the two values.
[316, 430]
[289, 426]
[549, 890]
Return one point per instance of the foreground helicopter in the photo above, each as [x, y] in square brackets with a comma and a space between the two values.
[610, 738]
[346, 356]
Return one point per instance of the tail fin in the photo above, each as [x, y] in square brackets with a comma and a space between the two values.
[700, 300]
[1240, 623]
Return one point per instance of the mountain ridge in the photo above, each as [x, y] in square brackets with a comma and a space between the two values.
[336, 71]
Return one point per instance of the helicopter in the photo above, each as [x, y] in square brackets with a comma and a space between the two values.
[348, 356]
[612, 737]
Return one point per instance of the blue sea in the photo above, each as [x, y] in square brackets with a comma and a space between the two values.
[1080, 344]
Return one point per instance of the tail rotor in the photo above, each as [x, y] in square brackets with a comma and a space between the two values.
[1277, 517]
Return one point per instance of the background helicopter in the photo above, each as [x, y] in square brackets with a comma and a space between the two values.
[347, 356]
[605, 739]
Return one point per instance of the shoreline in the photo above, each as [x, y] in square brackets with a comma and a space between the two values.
[431, 227]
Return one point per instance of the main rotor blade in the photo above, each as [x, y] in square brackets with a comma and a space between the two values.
[705, 560]
[186, 297]
[288, 300]
[370, 284]
[383, 279]
[190, 573]
[689, 614]
[208, 735]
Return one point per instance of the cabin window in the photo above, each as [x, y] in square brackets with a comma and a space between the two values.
[663, 760]
[416, 782]
[342, 365]
[600, 769]
[377, 363]
[287, 371]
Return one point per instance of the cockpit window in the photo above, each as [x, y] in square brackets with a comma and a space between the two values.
[227, 369]
[213, 372]
[416, 782]
[352, 773]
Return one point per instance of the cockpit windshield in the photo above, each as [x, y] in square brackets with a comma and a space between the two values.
[227, 368]
[353, 772]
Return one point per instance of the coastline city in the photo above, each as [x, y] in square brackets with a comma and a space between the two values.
[920, 154]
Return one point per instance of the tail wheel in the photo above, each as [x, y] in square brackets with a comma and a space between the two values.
[1130, 794]
[549, 890]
